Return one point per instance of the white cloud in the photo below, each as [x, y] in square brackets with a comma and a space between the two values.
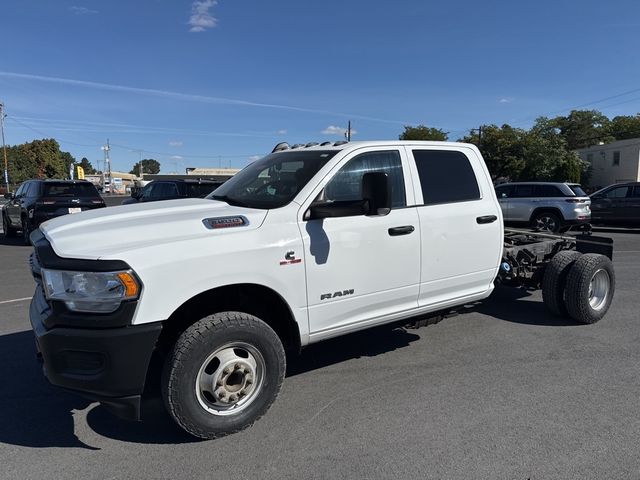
[175, 143]
[282, 132]
[505, 100]
[333, 130]
[201, 19]
[253, 158]
[176, 157]
[81, 10]
[190, 97]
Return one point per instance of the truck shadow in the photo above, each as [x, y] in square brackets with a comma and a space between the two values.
[32, 413]
[15, 241]
[510, 304]
[35, 414]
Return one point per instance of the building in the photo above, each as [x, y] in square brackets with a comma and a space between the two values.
[614, 162]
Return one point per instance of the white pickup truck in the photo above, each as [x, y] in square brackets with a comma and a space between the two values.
[205, 296]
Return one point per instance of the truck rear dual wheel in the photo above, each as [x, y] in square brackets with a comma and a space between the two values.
[590, 286]
[223, 374]
[579, 286]
[555, 280]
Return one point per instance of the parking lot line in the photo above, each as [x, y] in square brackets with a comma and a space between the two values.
[15, 300]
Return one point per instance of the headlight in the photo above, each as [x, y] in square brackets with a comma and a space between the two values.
[96, 292]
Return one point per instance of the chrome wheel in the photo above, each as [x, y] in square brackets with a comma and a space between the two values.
[546, 222]
[230, 379]
[599, 288]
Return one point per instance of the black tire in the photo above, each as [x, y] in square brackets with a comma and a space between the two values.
[26, 231]
[555, 279]
[546, 221]
[7, 230]
[591, 284]
[203, 413]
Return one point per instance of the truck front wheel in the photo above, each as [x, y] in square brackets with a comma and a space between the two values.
[223, 374]
[590, 286]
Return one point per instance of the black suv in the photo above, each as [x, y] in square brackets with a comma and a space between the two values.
[172, 189]
[36, 201]
[617, 205]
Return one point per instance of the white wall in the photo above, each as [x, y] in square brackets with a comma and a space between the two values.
[601, 157]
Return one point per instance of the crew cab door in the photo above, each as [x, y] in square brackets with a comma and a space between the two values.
[461, 230]
[361, 268]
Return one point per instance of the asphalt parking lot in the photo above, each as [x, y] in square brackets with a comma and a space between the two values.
[503, 391]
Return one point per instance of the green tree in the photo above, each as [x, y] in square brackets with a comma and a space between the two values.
[38, 159]
[87, 167]
[502, 149]
[583, 128]
[540, 153]
[625, 126]
[547, 156]
[149, 165]
[422, 132]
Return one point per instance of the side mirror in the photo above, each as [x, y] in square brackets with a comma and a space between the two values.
[9, 196]
[376, 191]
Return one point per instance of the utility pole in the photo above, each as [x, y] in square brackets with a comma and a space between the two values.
[348, 132]
[4, 147]
[140, 172]
[107, 166]
[479, 136]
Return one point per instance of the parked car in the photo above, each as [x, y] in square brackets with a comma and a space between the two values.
[203, 299]
[172, 189]
[36, 201]
[617, 205]
[546, 206]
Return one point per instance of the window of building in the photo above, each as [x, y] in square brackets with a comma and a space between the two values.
[616, 159]
[445, 176]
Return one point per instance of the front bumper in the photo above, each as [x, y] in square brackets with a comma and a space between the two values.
[101, 356]
[108, 365]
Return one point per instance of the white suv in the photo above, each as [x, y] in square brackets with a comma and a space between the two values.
[544, 205]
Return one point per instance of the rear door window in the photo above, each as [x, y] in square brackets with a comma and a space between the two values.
[547, 191]
[504, 191]
[524, 191]
[446, 176]
[636, 192]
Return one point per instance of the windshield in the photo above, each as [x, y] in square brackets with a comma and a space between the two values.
[67, 189]
[274, 180]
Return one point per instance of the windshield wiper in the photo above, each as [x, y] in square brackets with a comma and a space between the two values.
[231, 201]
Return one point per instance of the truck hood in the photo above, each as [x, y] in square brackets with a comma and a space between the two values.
[105, 232]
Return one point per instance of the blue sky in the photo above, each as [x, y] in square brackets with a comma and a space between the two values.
[211, 83]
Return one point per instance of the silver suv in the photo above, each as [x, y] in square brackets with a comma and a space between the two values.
[544, 205]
